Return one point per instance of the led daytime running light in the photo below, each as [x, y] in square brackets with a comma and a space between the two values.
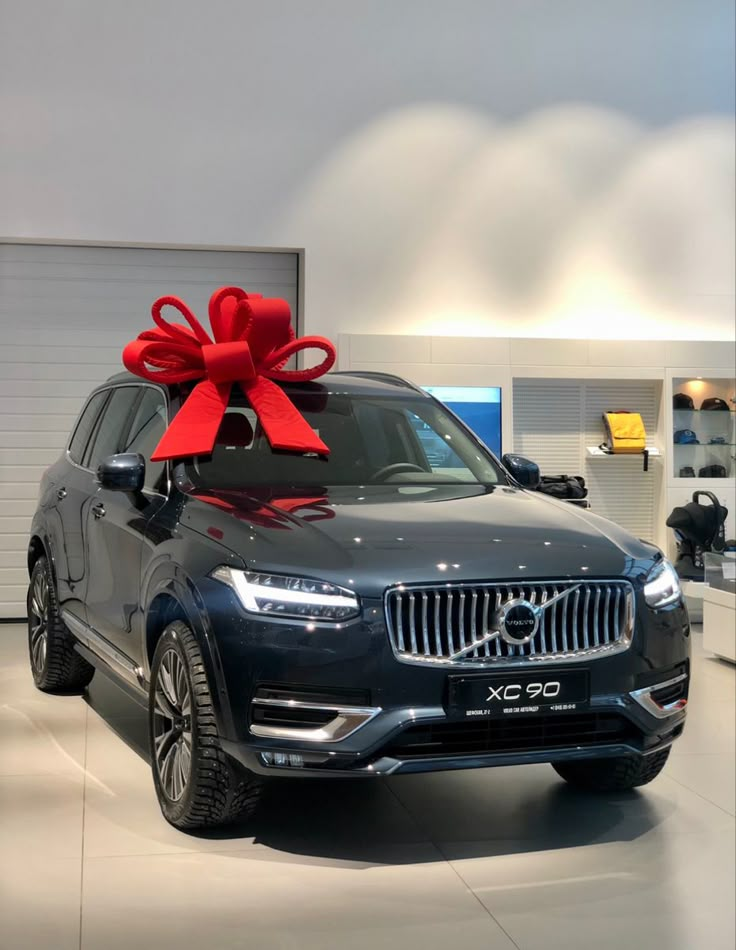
[663, 586]
[275, 599]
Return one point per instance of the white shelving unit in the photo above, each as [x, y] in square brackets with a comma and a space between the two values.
[700, 384]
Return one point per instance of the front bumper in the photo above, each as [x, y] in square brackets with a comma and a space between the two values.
[391, 741]
[378, 709]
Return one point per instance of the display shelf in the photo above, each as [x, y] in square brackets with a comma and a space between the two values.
[704, 425]
[596, 452]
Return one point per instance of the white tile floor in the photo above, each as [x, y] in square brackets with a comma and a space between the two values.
[506, 858]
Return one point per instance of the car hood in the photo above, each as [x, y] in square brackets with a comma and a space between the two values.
[371, 538]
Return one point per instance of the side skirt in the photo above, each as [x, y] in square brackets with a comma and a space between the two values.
[102, 654]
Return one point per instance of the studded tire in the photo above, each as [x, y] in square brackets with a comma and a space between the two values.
[613, 775]
[55, 664]
[198, 786]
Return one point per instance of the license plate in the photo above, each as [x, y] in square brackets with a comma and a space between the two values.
[517, 694]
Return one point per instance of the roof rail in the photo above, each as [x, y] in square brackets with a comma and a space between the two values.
[374, 374]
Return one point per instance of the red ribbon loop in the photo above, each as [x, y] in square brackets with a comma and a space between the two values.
[254, 340]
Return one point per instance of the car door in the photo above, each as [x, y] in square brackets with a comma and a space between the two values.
[73, 488]
[116, 523]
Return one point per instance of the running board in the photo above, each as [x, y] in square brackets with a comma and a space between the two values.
[104, 650]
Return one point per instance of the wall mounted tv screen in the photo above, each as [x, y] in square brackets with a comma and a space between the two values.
[478, 406]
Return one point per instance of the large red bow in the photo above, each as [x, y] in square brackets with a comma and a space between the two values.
[253, 341]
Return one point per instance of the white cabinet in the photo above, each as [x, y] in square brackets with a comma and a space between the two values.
[719, 622]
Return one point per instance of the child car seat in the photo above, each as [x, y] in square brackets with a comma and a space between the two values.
[698, 528]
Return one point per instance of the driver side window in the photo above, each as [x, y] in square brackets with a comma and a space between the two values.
[146, 429]
[110, 425]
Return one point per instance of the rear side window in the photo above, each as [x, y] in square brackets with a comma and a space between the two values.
[84, 427]
[149, 424]
[110, 428]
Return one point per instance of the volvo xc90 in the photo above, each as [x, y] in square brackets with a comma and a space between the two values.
[396, 607]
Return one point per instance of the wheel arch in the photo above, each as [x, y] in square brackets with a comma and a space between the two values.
[175, 597]
[37, 548]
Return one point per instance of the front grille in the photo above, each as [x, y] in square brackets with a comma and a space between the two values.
[433, 624]
[520, 734]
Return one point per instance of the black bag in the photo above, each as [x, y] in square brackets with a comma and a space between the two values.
[563, 486]
[682, 401]
[712, 471]
[687, 471]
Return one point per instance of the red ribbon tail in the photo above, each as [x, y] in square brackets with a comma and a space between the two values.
[193, 429]
[285, 427]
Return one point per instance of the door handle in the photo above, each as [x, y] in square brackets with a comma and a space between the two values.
[61, 493]
[99, 511]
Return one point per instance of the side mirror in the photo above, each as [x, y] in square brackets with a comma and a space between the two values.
[523, 470]
[124, 472]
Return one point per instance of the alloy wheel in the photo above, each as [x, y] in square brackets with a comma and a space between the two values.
[172, 725]
[39, 621]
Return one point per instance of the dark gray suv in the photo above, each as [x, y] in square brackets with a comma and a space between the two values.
[385, 610]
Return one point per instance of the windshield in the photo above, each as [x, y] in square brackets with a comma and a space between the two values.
[372, 440]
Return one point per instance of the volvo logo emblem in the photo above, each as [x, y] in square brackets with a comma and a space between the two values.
[518, 621]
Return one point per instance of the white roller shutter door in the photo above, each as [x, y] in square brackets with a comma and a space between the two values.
[66, 311]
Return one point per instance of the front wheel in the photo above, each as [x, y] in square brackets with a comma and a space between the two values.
[613, 775]
[197, 784]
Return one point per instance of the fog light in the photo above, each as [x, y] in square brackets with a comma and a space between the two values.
[289, 760]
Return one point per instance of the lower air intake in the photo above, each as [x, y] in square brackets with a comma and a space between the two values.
[522, 734]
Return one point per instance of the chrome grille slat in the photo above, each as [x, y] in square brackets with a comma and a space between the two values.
[399, 625]
[497, 641]
[473, 621]
[576, 606]
[543, 624]
[533, 600]
[563, 625]
[437, 627]
[412, 625]
[461, 619]
[429, 624]
[485, 619]
[425, 627]
[553, 623]
[450, 640]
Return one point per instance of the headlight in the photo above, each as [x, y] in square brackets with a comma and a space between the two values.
[662, 586]
[281, 596]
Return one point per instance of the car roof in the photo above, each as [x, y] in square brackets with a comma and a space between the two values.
[352, 383]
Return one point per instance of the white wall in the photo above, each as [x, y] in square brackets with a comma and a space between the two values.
[528, 168]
